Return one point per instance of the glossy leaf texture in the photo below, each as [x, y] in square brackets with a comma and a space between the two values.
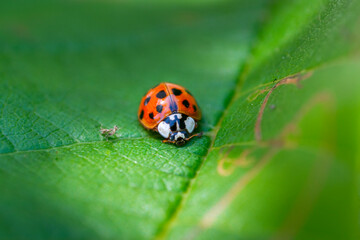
[277, 83]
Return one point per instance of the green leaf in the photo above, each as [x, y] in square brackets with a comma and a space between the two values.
[279, 155]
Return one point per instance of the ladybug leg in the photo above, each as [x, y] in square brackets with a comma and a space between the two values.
[195, 135]
[167, 141]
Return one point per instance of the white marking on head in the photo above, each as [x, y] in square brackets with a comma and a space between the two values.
[164, 129]
[189, 124]
[172, 116]
[178, 135]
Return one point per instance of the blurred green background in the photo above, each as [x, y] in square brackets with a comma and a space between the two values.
[278, 85]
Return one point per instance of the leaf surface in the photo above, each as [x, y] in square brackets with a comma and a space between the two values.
[282, 163]
[279, 145]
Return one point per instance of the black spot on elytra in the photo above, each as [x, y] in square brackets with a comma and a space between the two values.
[176, 92]
[141, 114]
[186, 103]
[195, 108]
[159, 108]
[151, 115]
[188, 92]
[161, 94]
[147, 100]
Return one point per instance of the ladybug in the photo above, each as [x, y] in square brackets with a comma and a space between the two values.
[170, 110]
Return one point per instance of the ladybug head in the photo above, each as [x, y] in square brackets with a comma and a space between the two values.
[176, 128]
[179, 137]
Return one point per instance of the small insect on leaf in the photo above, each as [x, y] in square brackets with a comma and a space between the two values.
[106, 133]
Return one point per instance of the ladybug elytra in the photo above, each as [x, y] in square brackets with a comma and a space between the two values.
[170, 110]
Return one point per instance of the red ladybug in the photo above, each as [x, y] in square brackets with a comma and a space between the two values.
[170, 110]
